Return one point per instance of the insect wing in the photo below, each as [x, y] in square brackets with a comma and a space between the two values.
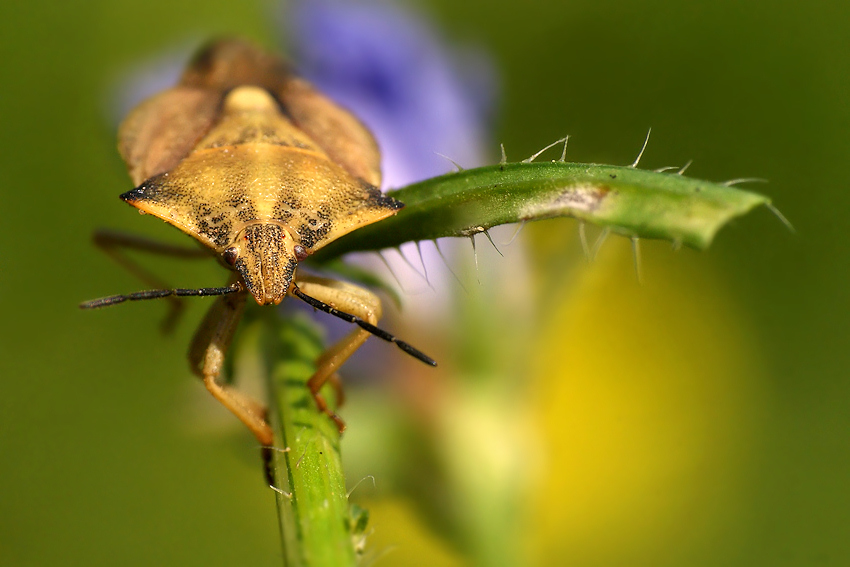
[230, 63]
[165, 128]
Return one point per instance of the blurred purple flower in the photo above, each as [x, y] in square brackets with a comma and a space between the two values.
[420, 98]
[389, 67]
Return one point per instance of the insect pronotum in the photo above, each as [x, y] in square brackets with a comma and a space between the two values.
[263, 170]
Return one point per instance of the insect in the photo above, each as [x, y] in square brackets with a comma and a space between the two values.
[262, 170]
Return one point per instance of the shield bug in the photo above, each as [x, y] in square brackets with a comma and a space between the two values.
[262, 170]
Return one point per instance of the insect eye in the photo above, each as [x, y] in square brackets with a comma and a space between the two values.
[300, 252]
[230, 256]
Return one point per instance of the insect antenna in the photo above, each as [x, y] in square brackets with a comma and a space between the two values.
[157, 294]
[366, 326]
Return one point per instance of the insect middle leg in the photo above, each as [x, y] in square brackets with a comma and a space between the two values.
[350, 299]
[206, 357]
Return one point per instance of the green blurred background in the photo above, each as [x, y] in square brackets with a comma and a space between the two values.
[732, 449]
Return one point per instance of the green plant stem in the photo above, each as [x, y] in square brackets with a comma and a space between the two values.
[312, 502]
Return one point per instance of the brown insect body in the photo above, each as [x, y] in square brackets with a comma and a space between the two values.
[263, 170]
[254, 182]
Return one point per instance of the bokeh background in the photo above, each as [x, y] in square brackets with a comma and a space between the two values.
[698, 419]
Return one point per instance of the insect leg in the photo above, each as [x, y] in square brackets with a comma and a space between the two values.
[206, 357]
[336, 384]
[350, 299]
[113, 243]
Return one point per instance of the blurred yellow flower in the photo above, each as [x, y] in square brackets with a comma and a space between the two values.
[649, 399]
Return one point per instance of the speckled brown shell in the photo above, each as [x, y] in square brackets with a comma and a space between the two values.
[242, 141]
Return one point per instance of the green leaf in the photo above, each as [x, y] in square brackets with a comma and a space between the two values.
[626, 200]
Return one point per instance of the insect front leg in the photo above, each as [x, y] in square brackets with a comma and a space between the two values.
[350, 299]
[113, 243]
[206, 357]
